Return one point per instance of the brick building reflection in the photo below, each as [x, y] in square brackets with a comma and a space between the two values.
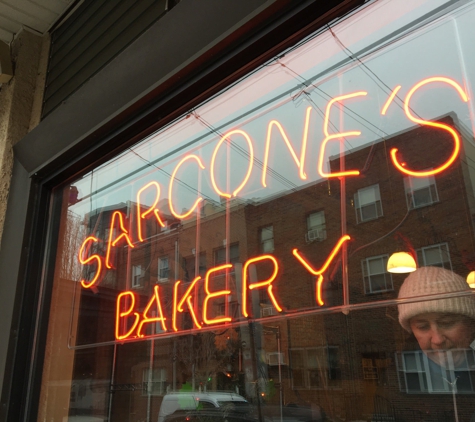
[347, 363]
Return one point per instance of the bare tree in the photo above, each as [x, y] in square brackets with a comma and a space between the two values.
[73, 237]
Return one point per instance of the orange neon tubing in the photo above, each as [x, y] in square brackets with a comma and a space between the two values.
[324, 267]
[259, 284]
[339, 135]
[170, 188]
[319, 290]
[175, 294]
[157, 216]
[94, 257]
[141, 215]
[390, 99]
[185, 298]
[124, 234]
[411, 117]
[212, 295]
[146, 319]
[251, 161]
[300, 163]
[126, 313]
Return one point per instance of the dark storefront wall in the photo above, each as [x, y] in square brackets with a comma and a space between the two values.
[301, 347]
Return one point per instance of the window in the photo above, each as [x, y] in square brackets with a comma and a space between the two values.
[316, 228]
[368, 204]
[233, 309]
[163, 269]
[220, 255]
[315, 367]
[137, 276]
[267, 239]
[189, 267]
[376, 278]
[154, 381]
[435, 256]
[419, 374]
[420, 191]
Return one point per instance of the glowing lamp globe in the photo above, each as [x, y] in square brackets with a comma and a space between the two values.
[401, 262]
[471, 279]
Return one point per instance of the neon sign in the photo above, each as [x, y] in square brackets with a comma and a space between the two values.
[129, 322]
[340, 136]
[415, 119]
[202, 294]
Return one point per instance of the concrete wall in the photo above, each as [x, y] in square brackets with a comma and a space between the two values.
[20, 103]
[20, 107]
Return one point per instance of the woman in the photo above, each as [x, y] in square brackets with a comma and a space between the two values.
[444, 328]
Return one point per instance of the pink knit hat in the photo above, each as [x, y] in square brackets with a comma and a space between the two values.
[429, 281]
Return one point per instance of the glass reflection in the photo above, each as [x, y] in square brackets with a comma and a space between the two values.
[226, 252]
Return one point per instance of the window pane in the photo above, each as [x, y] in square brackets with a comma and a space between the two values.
[316, 220]
[302, 149]
[368, 195]
[267, 233]
[376, 266]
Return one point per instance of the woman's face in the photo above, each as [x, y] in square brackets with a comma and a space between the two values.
[439, 331]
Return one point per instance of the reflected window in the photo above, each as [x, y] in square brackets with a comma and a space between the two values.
[220, 255]
[370, 372]
[154, 381]
[267, 308]
[419, 374]
[233, 309]
[316, 227]
[137, 276]
[420, 191]
[205, 405]
[435, 256]
[315, 367]
[267, 239]
[376, 278]
[368, 204]
[163, 269]
[189, 266]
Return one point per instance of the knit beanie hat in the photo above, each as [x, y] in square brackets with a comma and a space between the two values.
[429, 281]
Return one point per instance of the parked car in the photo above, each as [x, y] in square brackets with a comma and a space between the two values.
[218, 414]
[293, 412]
[184, 402]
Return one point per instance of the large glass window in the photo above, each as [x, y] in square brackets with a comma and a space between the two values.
[240, 253]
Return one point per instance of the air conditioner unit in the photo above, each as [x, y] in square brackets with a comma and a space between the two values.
[274, 359]
[268, 311]
[315, 234]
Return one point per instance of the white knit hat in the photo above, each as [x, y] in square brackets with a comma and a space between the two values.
[429, 281]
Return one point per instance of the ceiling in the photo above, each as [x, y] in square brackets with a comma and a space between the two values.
[36, 15]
